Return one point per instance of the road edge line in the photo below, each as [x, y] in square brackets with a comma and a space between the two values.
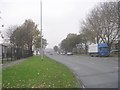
[79, 80]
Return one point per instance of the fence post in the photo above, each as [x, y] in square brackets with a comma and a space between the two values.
[7, 54]
[2, 54]
[11, 53]
[14, 52]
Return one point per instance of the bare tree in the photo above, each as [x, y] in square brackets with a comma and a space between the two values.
[102, 23]
[8, 32]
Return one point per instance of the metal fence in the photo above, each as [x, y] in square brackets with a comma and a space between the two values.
[10, 53]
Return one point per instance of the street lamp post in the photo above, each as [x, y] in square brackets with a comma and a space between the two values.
[41, 32]
[1, 35]
[2, 45]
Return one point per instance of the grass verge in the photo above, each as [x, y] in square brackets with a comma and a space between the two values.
[35, 73]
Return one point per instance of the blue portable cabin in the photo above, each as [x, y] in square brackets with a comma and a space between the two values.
[103, 49]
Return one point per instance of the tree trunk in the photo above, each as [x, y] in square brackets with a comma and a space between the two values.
[109, 46]
[86, 48]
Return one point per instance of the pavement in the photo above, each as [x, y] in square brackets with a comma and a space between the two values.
[9, 64]
[93, 72]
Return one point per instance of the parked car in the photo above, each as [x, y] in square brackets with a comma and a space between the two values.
[62, 53]
[69, 53]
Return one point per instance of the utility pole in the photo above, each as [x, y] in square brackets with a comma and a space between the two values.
[1, 35]
[41, 31]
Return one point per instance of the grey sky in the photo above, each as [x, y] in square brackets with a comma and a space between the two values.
[60, 17]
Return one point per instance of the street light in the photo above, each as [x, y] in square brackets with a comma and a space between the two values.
[41, 31]
[2, 45]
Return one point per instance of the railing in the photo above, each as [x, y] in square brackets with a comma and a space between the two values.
[12, 53]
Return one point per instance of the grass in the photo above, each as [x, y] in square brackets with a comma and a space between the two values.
[35, 73]
[0, 76]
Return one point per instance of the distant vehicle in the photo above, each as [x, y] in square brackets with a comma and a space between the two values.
[58, 52]
[100, 49]
[51, 54]
[69, 53]
[62, 53]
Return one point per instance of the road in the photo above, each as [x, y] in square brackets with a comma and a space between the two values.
[94, 72]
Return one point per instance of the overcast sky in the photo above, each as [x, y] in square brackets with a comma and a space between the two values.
[60, 17]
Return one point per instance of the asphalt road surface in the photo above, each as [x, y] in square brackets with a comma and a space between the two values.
[94, 72]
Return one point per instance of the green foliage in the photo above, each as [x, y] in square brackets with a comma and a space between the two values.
[71, 41]
[55, 48]
[27, 35]
[35, 73]
[37, 42]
